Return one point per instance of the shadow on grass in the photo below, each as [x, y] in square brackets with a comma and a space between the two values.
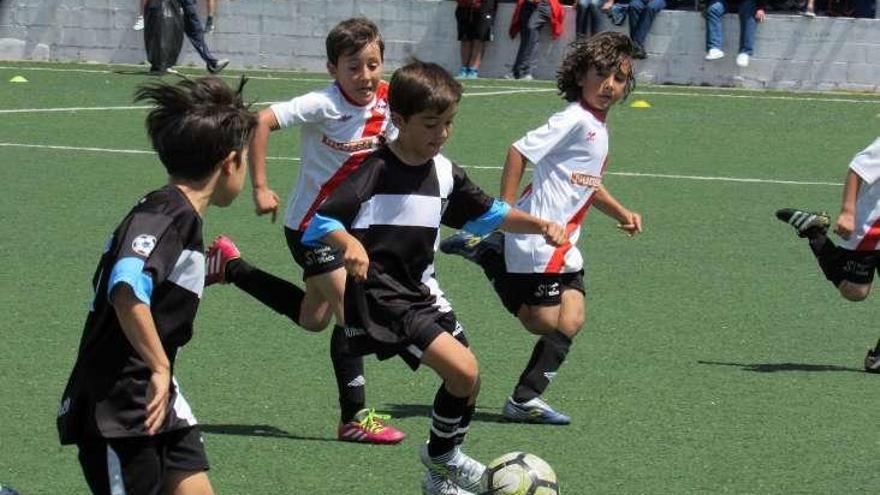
[483, 414]
[258, 431]
[777, 367]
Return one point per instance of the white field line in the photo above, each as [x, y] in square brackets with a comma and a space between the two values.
[697, 91]
[474, 167]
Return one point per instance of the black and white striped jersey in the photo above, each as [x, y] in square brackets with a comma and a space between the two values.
[396, 210]
[158, 251]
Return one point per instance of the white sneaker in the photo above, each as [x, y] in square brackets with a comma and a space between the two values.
[437, 484]
[457, 467]
[138, 23]
[527, 77]
[714, 54]
[742, 60]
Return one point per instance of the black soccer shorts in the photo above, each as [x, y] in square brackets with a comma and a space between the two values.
[313, 260]
[535, 289]
[858, 267]
[140, 465]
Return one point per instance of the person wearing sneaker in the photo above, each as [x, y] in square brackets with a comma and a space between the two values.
[122, 405]
[474, 19]
[341, 125]
[192, 26]
[529, 17]
[541, 284]
[751, 12]
[850, 266]
[641, 15]
[385, 219]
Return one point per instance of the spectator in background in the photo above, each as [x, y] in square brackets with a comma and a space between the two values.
[751, 12]
[528, 19]
[810, 10]
[209, 19]
[641, 15]
[475, 19]
[139, 20]
[587, 16]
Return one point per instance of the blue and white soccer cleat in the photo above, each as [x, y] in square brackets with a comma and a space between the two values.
[806, 223]
[872, 359]
[434, 483]
[457, 467]
[470, 246]
[533, 411]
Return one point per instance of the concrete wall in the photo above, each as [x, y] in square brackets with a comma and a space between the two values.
[791, 51]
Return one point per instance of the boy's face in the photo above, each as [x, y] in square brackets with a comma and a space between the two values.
[359, 73]
[600, 91]
[424, 134]
[231, 181]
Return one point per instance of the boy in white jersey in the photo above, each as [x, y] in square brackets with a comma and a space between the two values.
[340, 126]
[540, 283]
[850, 266]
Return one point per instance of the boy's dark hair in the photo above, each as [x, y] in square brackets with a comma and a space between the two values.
[605, 52]
[196, 123]
[350, 36]
[420, 86]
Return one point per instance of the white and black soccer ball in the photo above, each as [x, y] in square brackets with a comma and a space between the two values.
[7, 490]
[519, 473]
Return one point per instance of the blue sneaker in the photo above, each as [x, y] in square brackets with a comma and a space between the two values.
[473, 73]
[617, 14]
[533, 411]
[462, 73]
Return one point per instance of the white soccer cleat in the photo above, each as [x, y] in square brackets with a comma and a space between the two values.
[456, 466]
[436, 484]
[714, 54]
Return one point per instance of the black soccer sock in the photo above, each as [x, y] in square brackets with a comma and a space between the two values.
[349, 370]
[279, 294]
[465, 423]
[547, 357]
[446, 417]
[828, 256]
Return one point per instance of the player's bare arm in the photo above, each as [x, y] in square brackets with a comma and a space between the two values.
[627, 220]
[512, 175]
[265, 199]
[520, 222]
[355, 259]
[846, 221]
[140, 330]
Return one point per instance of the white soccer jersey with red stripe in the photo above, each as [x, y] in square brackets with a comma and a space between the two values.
[569, 154]
[867, 234]
[337, 135]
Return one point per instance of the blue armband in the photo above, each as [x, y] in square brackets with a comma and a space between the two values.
[490, 220]
[130, 271]
[318, 228]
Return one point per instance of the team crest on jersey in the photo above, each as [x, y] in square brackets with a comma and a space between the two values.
[585, 180]
[591, 136]
[381, 106]
[143, 244]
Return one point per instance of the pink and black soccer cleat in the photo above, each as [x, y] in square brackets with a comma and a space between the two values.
[369, 427]
[221, 252]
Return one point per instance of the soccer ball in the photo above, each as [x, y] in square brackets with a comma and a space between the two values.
[518, 473]
[7, 490]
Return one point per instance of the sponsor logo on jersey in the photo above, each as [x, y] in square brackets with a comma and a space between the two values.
[65, 407]
[359, 381]
[585, 180]
[381, 106]
[549, 375]
[353, 146]
[345, 118]
[143, 244]
[591, 136]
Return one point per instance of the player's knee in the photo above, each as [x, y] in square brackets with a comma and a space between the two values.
[314, 324]
[854, 292]
[466, 377]
[537, 323]
[570, 328]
